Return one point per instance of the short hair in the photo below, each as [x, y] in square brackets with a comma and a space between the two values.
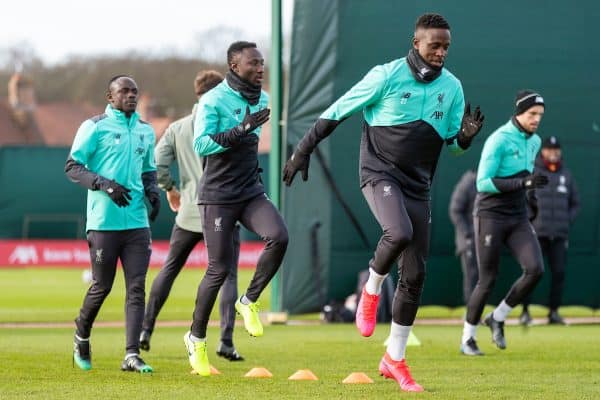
[206, 80]
[114, 78]
[432, 21]
[236, 48]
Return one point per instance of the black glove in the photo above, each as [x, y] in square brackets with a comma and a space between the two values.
[297, 162]
[118, 193]
[470, 126]
[535, 180]
[154, 199]
[251, 122]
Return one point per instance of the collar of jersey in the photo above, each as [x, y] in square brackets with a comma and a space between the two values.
[120, 115]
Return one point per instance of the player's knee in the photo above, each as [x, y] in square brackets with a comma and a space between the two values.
[280, 238]
[398, 237]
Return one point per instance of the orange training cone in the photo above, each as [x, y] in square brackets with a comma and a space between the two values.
[303, 375]
[357, 377]
[258, 372]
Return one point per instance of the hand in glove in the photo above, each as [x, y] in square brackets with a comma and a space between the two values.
[118, 193]
[251, 122]
[471, 124]
[154, 199]
[297, 162]
[535, 180]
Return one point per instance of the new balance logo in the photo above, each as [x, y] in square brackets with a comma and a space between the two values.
[387, 191]
[218, 227]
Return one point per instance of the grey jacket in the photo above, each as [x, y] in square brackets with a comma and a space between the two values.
[177, 145]
[461, 210]
[557, 202]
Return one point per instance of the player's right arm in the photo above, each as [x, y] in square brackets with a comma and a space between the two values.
[82, 150]
[367, 91]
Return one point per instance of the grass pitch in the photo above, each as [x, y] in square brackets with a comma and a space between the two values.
[543, 362]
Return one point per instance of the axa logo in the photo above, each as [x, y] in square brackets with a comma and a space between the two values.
[437, 115]
[218, 227]
[23, 255]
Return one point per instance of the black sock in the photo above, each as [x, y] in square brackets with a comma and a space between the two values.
[227, 342]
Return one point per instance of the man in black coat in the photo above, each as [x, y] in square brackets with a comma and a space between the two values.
[557, 206]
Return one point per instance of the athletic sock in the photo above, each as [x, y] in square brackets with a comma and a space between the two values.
[469, 331]
[502, 311]
[373, 285]
[195, 339]
[396, 347]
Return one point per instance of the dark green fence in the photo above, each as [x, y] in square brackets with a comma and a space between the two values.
[496, 50]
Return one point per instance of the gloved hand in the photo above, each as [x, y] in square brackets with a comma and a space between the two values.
[297, 162]
[535, 180]
[154, 199]
[118, 193]
[251, 122]
[471, 124]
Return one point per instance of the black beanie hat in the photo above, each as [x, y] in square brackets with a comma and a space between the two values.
[526, 99]
[551, 143]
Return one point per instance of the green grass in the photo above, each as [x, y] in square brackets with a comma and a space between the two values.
[543, 362]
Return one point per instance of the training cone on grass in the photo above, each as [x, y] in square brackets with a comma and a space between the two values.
[357, 377]
[303, 375]
[213, 371]
[258, 372]
[413, 340]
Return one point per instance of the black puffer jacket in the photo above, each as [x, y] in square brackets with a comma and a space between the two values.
[557, 202]
[461, 210]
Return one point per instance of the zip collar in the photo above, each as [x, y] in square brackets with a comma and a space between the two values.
[121, 117]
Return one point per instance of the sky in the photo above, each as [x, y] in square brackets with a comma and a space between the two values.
[58, 29]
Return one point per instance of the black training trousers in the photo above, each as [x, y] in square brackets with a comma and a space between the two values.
[555, 251]
[405, 222]
[133, 248]
[470, 272]
[258, 215]
[181, 244]
[519, 236]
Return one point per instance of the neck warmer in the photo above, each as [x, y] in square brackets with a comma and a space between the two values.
[421, 70]
[249, 91]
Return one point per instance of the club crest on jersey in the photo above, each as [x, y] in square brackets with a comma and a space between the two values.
[404, 98]
[440, 99]
[487, 240]
[218, 227]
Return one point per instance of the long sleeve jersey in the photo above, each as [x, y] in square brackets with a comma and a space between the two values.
[507, 157]
[176, 145]
[406, 122]
[231, 174]
[115, 147]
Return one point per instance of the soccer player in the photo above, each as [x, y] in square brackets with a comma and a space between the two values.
[504, 175]
[412, 106]
[176, 145]
[113, 157]
[226, 133]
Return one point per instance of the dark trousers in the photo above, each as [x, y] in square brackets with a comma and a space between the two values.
[181, 244]
[258, 215]
[555, 251]
[470, 272]
[405, 223]
[132, 247]
[519, 236]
